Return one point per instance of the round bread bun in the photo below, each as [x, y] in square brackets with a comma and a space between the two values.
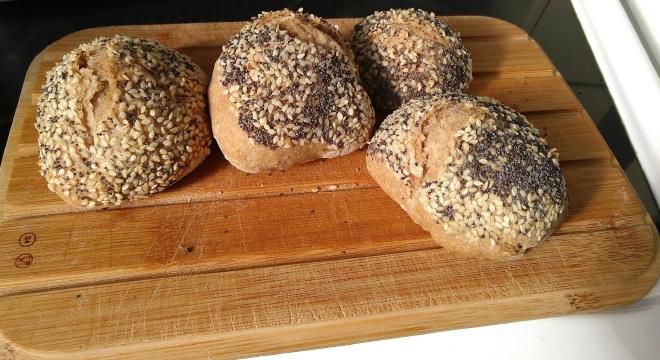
[120, 118]
[474, 173]
[285, 91]
[407, 54]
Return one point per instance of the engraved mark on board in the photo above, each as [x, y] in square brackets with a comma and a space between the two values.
[23, 261]
[27, 239]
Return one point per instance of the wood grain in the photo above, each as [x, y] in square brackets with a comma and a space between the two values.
[247, 232]
[227, 264]
[28, 195]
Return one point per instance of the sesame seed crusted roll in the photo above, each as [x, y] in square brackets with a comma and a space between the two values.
[285, 90]
[407, 54]
[120, 118]
[474, 173]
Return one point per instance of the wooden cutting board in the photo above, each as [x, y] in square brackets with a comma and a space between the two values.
[228, 264]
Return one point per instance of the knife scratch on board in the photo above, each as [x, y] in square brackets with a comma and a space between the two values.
[68, 242]
[561, 256]
[183, 220]
[239, 216]
[514, 280]
[118, 313]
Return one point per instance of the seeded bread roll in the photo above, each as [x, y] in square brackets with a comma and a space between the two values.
[285, 91]
[120, 118]
[474, 173]
[407, 54]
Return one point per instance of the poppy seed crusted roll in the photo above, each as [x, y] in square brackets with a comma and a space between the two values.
[120, 118]
[285, 91]
[474, 173]
[407, 54]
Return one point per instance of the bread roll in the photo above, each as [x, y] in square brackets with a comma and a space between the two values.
[120, 118]
[474, 173]
[407, 54]
[285, 91]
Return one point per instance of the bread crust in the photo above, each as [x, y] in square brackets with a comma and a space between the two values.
[235, 144]
[121, 118]
[308, 29]
[408, 54]
[239, 146]
[431, 137]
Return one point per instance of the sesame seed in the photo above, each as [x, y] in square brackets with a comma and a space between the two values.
[294, 98]
[513, 193]
[88, 168]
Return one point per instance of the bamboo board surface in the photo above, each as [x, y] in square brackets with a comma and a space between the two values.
[228, 264]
